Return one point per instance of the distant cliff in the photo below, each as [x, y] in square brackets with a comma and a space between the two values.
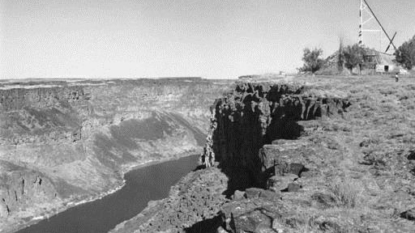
[70, 141]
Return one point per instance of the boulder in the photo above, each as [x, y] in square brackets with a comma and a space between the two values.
[280, 183]
[296, 168]
[238, 195]
[409, 214]
[252, 193]
[293, 187]
[252, 215]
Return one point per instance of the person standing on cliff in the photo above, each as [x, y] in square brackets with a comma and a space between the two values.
[397, 77]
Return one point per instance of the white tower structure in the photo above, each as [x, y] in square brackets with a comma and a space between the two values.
[370, 24]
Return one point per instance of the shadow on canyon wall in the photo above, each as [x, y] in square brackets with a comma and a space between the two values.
[248, 119]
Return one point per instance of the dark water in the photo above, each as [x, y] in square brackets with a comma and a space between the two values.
[142, 185]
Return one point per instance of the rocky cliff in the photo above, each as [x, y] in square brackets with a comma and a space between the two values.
[257, 114]
[332, 155]
[64, 142]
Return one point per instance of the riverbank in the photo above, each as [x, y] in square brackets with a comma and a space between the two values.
[77, 201]
[70, 140]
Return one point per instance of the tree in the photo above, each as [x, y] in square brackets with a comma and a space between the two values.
[405, 54]
[312, 60]
[353, 55]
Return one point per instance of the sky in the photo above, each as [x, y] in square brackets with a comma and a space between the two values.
[167, 38]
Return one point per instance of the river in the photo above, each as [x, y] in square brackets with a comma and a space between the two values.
[142, 185]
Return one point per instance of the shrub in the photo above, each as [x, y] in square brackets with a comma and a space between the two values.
[405, 54]
[312, 60]
[346, 193]
[353, 56]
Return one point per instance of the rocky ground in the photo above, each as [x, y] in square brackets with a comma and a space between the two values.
[316, 154]
[63, 142]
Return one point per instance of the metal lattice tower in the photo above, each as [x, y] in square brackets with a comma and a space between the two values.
[369, 23]
[366, 24]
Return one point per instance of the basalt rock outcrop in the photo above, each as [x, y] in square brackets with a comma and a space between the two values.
[250, 141]
[304, 162]
[255, 114]
[64, 142]
[333, 155]
[256, 140]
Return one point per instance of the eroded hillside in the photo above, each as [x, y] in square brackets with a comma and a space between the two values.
[323, 155]
[65, 142]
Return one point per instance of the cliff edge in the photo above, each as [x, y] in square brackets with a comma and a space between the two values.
[329, 155]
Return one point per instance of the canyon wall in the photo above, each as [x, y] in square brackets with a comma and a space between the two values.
[254, 144]
[64, 142]
[256, 114]
[334, 154]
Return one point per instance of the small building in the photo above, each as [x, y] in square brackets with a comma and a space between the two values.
[374, 62]
[385, 63]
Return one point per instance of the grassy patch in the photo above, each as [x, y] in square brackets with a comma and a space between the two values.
[346, 192]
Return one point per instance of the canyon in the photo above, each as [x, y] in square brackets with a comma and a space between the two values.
[304, 154]
[68, 142]
[319, 154]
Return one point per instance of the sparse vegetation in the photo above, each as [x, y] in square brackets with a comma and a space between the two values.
[346, 192]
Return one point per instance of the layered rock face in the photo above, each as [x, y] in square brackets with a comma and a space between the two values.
[332, 156]
[255, 139]
[309, 168]
[257, 114]
[244, 123]
[65, 142]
